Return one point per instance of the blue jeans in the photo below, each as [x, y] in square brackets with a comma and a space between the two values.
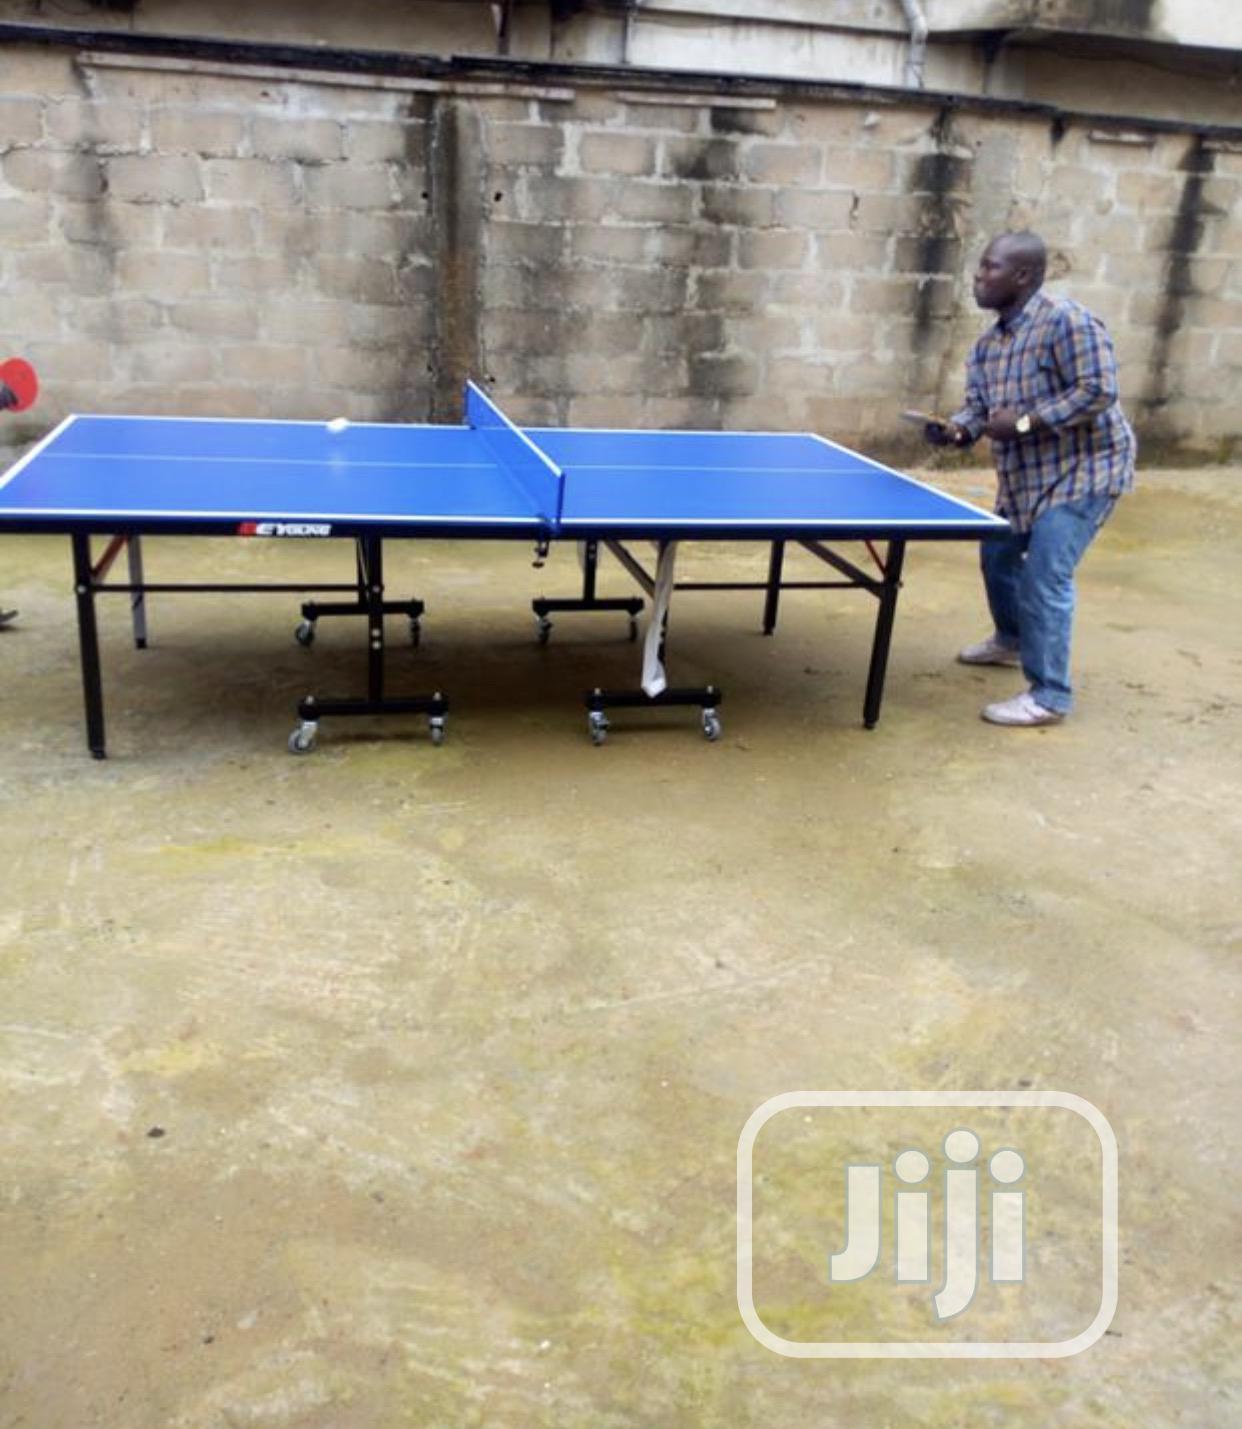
[1029, 578]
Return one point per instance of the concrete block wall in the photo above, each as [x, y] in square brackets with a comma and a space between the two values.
[193, 240]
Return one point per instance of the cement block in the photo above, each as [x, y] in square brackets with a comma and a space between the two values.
[215, 318]
[726, 291]
[86, 123]
[365, 280]
[349, 186]
[156, 273]
[765, 163]
[675, 118]
[649, 290]
[863, 170]
[154, 178]
[259, 183]
[254, 273]
[538, 145]
[743, 207]
[24, 220]
[694, 247]
[196, 130]
[696, 159]
[76, 269]
[772, 249]
[227, 229]
[811, 291]
[21, 120]
[273, 365]
[160, 360]
[311, 141]
[539, 243]
[43, 171]
[648, 202]
[616, 153]
[714, 374]
[611, 244]
[557, 200]
[118, 320]
[1149, 192]
[381, 141]
[767, 334]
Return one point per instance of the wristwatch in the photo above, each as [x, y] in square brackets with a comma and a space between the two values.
[1024, 426]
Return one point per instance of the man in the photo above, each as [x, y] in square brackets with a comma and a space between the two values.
[1042, 384]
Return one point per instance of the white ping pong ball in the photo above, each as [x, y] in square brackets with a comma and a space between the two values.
[338, 424]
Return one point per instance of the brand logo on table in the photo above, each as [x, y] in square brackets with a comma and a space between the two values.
[284, 528]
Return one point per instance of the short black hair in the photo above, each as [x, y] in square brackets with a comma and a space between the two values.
[1029, 249]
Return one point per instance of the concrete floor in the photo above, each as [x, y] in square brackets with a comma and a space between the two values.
[403, 1086]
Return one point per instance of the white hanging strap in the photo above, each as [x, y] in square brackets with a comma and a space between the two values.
[654, 681]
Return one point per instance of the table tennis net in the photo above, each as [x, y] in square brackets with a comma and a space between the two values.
[536, 474]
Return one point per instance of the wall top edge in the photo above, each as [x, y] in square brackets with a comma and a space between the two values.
[318, 61]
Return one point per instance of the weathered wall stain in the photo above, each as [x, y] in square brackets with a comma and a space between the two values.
[941, 183]
[1185, 239]
[456, 182]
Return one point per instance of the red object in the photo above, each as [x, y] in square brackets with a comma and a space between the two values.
[19, 377]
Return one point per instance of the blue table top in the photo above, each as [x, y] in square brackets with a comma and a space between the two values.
[97, 472]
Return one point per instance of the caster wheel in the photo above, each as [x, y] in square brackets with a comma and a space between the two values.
[305, 633]
[302, 740]
[711, 724]
[545, 630]
[436, 727]
[598, 724]
[633, 628]
[416, 631]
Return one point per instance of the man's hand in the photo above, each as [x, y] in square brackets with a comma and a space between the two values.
[1002, 425]
[945, 434]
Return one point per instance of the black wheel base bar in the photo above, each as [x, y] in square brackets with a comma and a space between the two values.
[707, 697]
[315, 709]
[544, 605]
[314, 609]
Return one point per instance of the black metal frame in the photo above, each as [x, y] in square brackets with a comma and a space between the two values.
[543, 606]
[368, 592]
[884, 586]
[90, 580]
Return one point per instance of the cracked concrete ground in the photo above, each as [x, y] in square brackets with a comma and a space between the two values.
[398, 1086]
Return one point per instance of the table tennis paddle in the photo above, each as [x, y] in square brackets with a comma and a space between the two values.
[922, 419]
[19, 387]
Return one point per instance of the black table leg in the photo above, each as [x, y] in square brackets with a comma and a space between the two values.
[88, 643]
[776, 566]
[890, 586]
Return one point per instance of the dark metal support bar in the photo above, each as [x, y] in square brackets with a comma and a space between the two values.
[631, 563]
[883, 632]
[88, 643]
[138, 604]
[776, 565]
[857, 575]
[174, 588]
[763, 585]
[104, 564]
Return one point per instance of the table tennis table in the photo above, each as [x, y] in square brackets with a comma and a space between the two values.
[121, 479]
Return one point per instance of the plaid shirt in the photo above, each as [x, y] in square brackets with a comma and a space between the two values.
[1056, 361]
